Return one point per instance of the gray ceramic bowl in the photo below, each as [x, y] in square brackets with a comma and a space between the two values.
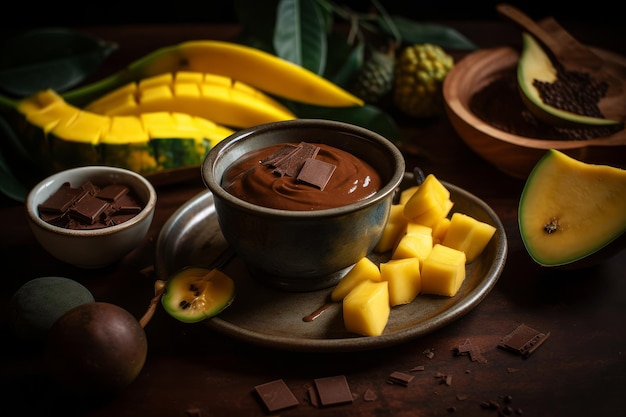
[97, 247]
[304, 250]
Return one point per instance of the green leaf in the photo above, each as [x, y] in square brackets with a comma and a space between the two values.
[300, 34]
[412, 32]
[368, 116]
[10, 185]
[344, 60]
[257, 20]
[55, 58]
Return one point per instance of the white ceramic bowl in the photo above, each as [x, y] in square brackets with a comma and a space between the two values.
[96, 247]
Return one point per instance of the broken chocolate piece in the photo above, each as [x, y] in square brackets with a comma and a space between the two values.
[400, 378]
[276, 395]
[292, 163]
[112, 192]
[475, 352]
[88, 209]
[277, 157]
[524, 340]
[62, 199]
[316, 173]
[333, 390]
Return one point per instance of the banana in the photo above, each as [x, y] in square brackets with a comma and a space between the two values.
[214, 97]
[252, 66]
[62, 136]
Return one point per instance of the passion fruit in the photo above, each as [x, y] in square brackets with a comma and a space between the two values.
[195, 293]
[38, 303]
[96, 349]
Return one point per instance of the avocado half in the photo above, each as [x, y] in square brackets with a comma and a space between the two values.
[535, 64]
[570, 210]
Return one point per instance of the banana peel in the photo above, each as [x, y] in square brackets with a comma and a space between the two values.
[249, 65]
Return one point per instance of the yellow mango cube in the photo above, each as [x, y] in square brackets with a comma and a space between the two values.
[429, 203]
[439, 230]
[413, 246]
[363, 270]
[406, 194]
[443, 271]
[403, 276]
[366, 308]
[393, 229]
[468, 234]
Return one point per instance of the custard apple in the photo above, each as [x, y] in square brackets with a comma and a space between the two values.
[375, 79]
[419, 74]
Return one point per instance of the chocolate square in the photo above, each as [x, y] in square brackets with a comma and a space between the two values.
[276, 395]
[88, 209]
[112, 192]
[316, 173]
[62, 199]
[333, 390]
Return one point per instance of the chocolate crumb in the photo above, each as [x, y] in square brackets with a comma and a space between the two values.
[524, 340]
[276, 395]
[193, 412]
[370, 395]
[429, 353]
[512, 370]
[461, 397]
[417, 368]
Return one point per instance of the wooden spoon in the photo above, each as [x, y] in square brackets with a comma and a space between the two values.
[575, 56]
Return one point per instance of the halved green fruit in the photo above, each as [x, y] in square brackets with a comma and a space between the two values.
[535, 64]
[194, 294]
[570, 209]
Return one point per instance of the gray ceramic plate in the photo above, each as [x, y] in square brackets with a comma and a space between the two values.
[272, 318]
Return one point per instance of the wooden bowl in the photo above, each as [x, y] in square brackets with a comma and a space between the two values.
[513, 154]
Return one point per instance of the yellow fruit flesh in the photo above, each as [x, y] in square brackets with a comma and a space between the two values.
[364, 270]
[404, 280]
[469, 235]
[570, 209]
[366, 308]
[443, 271]
[220, 99]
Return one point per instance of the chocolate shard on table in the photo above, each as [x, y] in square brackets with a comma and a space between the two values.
[276, 395]
[400, 378]
[524, 340]
[333, 390]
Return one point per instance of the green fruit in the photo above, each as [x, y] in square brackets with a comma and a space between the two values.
[96, 349]
[418, 85]
[195, 294]
[570, 210]
[375, 79]
[535, 65]
[37, 304]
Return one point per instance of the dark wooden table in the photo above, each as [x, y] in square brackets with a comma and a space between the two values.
[579, 371]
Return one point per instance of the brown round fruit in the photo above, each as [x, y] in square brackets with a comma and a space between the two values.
[96, 349]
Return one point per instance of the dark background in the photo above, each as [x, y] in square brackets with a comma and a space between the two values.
[59, 13]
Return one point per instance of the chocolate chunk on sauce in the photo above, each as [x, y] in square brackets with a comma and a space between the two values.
[276, 395]
[292, 163]
[316, 172]
[89, 206]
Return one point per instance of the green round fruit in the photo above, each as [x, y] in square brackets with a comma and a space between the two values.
[195, 294]
[96, 349]
[37, 304]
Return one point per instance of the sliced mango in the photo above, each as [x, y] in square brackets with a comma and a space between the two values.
[443, 271]
[366, 308]
[404, 279]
